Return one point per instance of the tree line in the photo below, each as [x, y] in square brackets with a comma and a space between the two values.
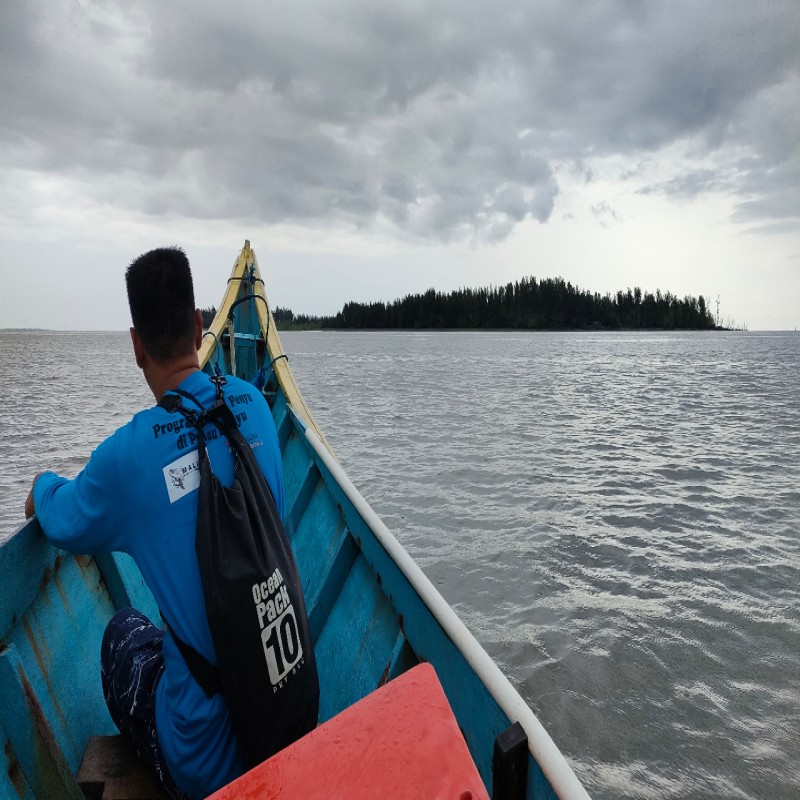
[528, 304]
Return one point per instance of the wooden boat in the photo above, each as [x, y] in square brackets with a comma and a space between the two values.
[372, 611]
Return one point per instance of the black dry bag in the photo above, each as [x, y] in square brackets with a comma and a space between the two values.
[254, 600]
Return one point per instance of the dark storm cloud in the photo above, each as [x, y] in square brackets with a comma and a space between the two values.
[444, 119]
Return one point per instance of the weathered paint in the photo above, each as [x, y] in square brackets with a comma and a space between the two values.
[300, 476]
[54, 608]
[32, 744]
[356, 643]
[126, 586]
[12, 781]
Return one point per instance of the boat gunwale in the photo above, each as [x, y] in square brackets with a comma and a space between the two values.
[541, 746]
[278, 357]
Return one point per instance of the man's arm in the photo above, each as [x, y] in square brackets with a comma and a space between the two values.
[83, 515]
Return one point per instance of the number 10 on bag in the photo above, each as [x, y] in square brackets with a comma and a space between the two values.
[282, 647]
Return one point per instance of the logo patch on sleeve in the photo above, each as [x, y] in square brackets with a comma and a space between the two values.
[182, 476]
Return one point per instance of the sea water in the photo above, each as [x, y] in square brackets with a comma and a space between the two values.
[615, 516]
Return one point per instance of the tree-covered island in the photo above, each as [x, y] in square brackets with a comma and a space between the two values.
[527, 304]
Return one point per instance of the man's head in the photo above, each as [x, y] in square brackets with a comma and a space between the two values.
[161, 297]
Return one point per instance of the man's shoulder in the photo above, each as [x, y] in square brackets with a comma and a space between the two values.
[148, 424]
[239, 394]
[124, 444]
[235, 385]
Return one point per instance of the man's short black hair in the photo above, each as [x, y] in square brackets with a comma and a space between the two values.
[161, 297]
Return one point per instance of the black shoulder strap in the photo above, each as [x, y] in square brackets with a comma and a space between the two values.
[171, 401]
[203, 671]
[217, 413]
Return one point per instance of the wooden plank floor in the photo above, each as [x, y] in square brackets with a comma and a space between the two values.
[111, 770]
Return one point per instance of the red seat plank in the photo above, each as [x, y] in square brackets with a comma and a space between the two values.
[401, 741]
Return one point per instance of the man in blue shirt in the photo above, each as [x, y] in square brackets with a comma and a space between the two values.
[138, 494]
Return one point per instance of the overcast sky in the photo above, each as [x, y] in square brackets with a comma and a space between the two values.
[372, 149]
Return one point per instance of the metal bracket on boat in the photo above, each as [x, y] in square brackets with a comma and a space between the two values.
[247, 297]
[247, 277]
[250, 276]
[510, 764]
[277, 358]
[217, 351]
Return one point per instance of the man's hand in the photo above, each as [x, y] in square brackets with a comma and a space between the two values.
[29, 510]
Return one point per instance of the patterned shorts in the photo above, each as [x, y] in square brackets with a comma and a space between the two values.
[131, 664]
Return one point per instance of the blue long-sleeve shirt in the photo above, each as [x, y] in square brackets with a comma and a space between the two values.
[137, 494]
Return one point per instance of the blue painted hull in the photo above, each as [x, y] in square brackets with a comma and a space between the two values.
[372, 612]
